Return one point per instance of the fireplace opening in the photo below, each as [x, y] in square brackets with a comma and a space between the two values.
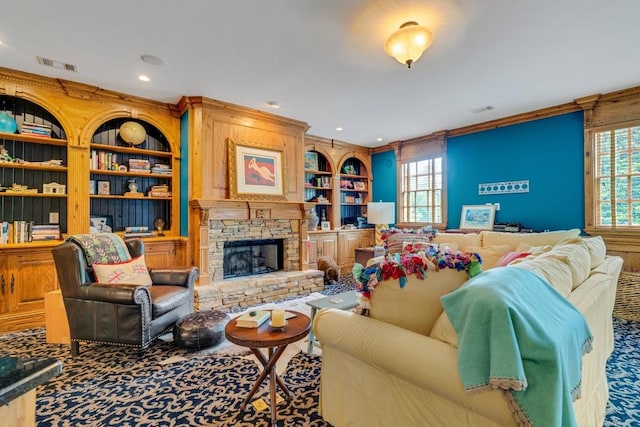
[248, 257]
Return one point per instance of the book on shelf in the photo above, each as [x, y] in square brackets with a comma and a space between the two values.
[139, 166]
[21, 231]
[249, 321]
[139, 234]
[136, 229]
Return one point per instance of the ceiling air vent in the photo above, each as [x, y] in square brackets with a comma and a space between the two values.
[56, 64]
[482, 109]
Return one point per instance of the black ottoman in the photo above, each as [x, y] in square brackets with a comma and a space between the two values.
[200, 329]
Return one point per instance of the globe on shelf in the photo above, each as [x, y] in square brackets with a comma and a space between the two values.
[7, 123]
[133, 133]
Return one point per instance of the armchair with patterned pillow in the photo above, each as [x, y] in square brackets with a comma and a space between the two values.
[111, 297]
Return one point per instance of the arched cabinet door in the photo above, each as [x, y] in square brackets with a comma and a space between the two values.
[131, 179]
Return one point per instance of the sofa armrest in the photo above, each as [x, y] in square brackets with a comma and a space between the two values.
[185, 276]
[120, 293]
[426, 362]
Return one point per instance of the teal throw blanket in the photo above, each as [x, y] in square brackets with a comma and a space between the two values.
[516, 333]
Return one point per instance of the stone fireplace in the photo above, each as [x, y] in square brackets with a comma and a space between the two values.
[238, 236]
[248, 257]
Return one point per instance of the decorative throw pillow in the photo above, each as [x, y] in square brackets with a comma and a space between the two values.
[132, 272]
[489, 254]
[509, 257]
[395, 239]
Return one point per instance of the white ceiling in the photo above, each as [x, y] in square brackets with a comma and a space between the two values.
[323, 60]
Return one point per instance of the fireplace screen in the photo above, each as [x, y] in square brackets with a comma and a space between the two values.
[247, 257]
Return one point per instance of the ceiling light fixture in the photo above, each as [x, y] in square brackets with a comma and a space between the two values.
[408, 43]
[144, 78]
[339, 129]
[274, 104]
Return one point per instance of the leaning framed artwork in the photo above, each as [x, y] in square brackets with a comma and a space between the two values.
[477, 217]
[256, 171]
[311, 161]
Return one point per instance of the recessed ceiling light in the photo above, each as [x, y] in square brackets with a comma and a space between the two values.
[144, 78]
[379, 139]
[150, 59]
[274, 104]
[338, 128]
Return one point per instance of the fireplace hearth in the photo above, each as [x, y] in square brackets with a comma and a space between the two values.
[250, 257]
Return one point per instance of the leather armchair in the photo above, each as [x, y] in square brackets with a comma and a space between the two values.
[121, 314]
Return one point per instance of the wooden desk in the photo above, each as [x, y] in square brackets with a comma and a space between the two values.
[275, 342]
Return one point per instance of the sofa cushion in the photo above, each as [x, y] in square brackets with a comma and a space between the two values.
[444, 331]
[132, 272]
[416, 306]
[533, 250]
[597, 249]
[555, 271]
[461, 239]
[574, 253]
[489, 254]
[534, 239]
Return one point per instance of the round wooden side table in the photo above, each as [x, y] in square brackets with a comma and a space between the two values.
[275, 341]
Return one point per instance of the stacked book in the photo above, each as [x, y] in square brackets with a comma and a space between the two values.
[161, 169]
[160, 191]
[26, 231]
[139, 166]
[253, 319]
[137, 231]
[45, 232]
[34, 129]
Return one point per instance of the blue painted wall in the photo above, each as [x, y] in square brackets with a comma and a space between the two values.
[384, 177]
[548, 152]
[184, 174]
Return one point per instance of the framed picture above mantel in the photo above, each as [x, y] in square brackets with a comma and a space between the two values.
[256, 171]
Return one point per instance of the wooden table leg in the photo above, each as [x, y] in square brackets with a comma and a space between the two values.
[272, 391]
[269, 368]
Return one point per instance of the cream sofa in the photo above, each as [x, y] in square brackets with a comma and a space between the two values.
[399, 365]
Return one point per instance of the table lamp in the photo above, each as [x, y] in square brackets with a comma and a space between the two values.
[381, 214]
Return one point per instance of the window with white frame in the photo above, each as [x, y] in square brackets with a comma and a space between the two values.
[421, 190]
[617, 178]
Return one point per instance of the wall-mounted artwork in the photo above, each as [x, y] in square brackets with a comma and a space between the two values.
[504, 187]
[255, 171]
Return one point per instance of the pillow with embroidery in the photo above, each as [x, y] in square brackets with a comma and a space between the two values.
[132, 272]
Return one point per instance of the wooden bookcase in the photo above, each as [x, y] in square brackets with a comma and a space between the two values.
[83, 119]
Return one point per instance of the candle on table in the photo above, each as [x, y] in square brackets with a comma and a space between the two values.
[277, 318]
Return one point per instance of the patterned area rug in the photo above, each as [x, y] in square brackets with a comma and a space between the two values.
[628, 296]
[172, 387]
[167, 386]
[623, 374]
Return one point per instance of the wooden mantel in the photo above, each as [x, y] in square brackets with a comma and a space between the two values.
[247, 209]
